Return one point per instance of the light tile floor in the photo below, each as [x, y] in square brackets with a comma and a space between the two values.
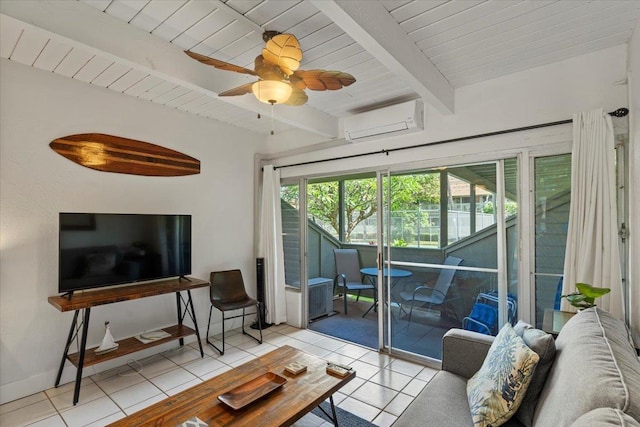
[382, 390]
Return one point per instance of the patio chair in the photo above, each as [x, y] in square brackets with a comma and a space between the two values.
[433, 296]
[348, 276]
[227, 293]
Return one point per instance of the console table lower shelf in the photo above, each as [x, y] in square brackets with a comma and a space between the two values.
[131, 345]
[85, 301]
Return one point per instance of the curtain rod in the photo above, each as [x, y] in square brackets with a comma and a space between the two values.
[620, 112]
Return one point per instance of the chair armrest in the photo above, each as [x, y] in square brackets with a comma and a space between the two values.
[464, 351]
[337, 279]
[429, 289]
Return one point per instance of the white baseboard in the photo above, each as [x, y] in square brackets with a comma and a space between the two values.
[46, 380]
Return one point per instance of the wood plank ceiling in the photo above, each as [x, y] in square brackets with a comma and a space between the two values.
[134, 47]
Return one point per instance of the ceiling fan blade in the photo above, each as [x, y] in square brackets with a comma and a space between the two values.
[219, 64]
[240, 90]
[322, 79]
[284, 51]
[297, 98]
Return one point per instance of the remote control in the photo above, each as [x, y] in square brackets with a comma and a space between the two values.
[339, 370]
[348, 368]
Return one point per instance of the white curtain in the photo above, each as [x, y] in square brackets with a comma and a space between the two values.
[592, 254]
[270, 246]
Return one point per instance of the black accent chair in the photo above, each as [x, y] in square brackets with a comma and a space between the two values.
[227, 293]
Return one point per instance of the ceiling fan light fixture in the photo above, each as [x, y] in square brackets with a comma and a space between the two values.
[271, 91]
[277, 69]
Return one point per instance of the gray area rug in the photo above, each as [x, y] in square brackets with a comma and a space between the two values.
[345, 419]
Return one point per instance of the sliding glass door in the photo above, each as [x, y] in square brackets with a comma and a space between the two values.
[339, 215]
[449, 246]
[433, 242]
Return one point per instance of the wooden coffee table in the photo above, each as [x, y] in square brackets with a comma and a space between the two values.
[282, 407]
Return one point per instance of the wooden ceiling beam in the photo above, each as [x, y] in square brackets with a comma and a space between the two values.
[373, 27]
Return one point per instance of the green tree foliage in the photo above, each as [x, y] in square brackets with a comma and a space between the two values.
[291, 194]
[360, 198]
[323, 203]
[360, 201]
[409, 193]
[410, 190]
[510, 208]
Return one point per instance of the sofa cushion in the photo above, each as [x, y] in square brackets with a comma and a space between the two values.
[497, 389]
[605, 417]
[544, 345]
[463, 352]
[595, 367]
[442, 402]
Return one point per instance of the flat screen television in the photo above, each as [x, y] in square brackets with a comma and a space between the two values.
[105, 249]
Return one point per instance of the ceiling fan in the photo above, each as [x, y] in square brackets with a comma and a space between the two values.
[279, 80]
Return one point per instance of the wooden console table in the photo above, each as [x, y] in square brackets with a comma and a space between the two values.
[85, 301]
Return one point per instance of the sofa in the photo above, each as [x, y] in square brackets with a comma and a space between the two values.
[593, 379]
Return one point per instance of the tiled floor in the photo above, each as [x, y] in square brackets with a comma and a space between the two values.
[384, 386]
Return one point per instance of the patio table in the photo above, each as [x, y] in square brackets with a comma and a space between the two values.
[395, 274]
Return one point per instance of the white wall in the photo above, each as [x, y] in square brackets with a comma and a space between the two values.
[36, 184]
[634, 179]
[539, 95]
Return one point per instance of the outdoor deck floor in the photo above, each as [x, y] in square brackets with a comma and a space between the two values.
[422, 336]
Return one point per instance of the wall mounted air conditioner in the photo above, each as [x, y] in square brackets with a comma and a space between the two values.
[395, 120]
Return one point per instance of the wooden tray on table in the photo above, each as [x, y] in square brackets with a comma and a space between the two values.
[253, 390]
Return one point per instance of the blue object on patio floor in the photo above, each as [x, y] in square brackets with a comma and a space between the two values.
[484, 313]
[482, 318]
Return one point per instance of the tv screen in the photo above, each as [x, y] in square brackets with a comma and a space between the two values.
[103, 249]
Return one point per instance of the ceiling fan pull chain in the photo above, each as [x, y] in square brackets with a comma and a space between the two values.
[271, 118]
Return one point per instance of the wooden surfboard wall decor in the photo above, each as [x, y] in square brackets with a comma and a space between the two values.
[108, 153]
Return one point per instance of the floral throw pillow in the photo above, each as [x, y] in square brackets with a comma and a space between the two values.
[497, 389]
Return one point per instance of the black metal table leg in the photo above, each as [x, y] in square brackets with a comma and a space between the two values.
[66, 347]
[333, 411]
[83, 344]
[195, 323]
[333, 417]
[179, 315]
